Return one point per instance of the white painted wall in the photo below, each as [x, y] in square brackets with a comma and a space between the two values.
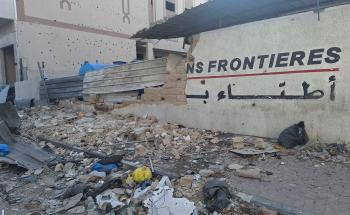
[7, 9]
[198, 2]
[81, 30]
[160, 13]
[326, 121]
[107, 15]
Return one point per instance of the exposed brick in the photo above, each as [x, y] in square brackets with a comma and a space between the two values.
[173, 91]
[171, 84]
[180, 103]
[181, 84]
[170, 98]
[152, 90]
[181, 98]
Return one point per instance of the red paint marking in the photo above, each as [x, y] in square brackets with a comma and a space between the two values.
[265, 73]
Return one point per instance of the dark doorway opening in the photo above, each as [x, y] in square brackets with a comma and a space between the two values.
[10, 67]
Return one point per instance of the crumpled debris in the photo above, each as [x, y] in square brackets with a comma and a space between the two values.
[162, 202]
[216, 195]
[108, 200]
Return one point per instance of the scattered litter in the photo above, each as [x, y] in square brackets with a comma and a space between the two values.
[107, 168]
[162, 202]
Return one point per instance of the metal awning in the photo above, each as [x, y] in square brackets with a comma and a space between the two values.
[217, 14]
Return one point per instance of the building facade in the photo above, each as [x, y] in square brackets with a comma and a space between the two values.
[63, 34]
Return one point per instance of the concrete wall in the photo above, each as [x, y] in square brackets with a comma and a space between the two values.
[63, 34]
[264, 99]
[63, 50]
[160, 13]
[7, 9]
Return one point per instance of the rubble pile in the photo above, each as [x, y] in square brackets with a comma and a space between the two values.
[122, 164]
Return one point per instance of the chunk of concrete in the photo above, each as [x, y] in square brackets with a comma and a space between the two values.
[5, 134]
[9, 115]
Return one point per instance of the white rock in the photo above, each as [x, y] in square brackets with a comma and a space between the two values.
[234, 166]
[206, 172]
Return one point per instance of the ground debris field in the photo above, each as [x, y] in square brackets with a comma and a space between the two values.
[313, 179]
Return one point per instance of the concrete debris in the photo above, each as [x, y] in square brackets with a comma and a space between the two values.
[77, 210]
[159, 168]
[206, 172]
[68, 204]
[186, 181]
[9, 115]
[234, 166]
[254, 173]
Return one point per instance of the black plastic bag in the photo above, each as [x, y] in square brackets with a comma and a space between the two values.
[216, 195]
[293, 136]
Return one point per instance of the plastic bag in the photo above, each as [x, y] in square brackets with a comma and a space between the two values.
[293, 136]
[4, 149]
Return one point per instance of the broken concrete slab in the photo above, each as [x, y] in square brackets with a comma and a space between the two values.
[9, 115]
[5, 134]
[29, 156]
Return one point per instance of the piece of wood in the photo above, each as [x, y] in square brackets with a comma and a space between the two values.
[73, 148]
[47, 96]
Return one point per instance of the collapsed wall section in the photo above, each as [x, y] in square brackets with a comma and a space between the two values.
[173, 91]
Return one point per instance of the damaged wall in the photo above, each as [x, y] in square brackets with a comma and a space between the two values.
[261, 77]
[64, 52]
[63, 34]
[173, 91]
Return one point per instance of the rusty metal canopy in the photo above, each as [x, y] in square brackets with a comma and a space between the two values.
[217, 14]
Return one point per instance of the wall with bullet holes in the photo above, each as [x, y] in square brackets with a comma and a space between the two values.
[62, 34]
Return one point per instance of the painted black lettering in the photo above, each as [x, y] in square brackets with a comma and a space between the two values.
[212, 64]
[333, 55]
[199, 66]
[315, 56]
[282, 59]
[262, 59]
[190, 68]
[297, 57]
[248, 62]
[272, 60]
[222, 65]
[234, 67]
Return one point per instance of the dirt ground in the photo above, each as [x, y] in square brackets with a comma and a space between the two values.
[313, 179]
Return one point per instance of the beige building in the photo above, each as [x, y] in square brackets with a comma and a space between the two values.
[63, 34]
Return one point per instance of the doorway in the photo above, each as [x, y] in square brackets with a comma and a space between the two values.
[9, 62]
